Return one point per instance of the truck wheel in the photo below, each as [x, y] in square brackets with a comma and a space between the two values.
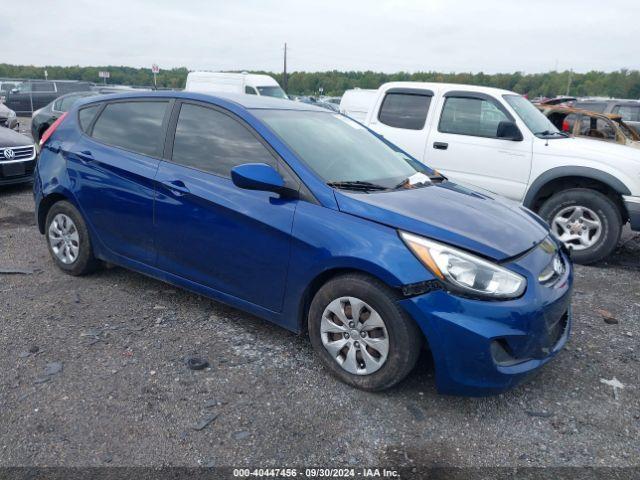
[361, 334]
[68, 240]
[587, 221]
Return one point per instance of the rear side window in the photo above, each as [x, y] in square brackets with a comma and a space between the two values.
[85, 116]
[250, 91]
[404, 110]
[591, 106]
[629, 113]
[135, 126]
[214, 142]
[471, 116]
[42, 87]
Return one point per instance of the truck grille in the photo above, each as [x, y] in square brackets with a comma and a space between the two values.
[10, 154]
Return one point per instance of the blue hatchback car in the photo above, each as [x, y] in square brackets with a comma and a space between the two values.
[305, 218]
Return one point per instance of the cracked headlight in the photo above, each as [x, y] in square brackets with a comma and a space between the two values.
[464, 272]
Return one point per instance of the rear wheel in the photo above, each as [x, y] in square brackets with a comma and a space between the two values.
[361, 334]
[587, 221]
[68, 240]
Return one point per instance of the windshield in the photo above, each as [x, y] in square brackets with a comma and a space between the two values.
[276, 92]
[531, 116]
[344, 153]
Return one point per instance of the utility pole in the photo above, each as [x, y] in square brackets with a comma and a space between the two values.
[569, 82]
[284, 76]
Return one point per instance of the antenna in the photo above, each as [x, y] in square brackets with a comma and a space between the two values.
[284, 75]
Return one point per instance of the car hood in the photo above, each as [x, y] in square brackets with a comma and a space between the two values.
[9, 138]
[587, 148]
[484, 223]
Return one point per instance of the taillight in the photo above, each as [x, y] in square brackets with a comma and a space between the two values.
[565, 126]
[49, 131]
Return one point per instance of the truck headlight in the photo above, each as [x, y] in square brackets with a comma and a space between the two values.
[465, 272]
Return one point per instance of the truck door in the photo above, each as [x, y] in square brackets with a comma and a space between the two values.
[463, 144]
[401, 118]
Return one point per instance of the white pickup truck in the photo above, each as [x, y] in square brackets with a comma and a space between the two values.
[496, 139]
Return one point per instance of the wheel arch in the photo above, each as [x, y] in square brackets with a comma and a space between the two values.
[45, 205]
[563, 178]
[319, 280]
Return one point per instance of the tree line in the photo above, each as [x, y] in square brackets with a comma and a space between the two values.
[621, 84]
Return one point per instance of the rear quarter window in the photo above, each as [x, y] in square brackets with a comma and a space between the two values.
[404, 110]
[86, 115]
[136, 126]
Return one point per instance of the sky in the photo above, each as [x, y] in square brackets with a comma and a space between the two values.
[387, 36]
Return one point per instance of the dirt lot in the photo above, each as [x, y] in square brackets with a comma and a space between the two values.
[93, 374]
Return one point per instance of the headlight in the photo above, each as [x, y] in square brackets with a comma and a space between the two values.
[465, 272]
[12, 114]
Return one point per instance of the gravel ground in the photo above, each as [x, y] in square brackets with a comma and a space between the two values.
[93, 374]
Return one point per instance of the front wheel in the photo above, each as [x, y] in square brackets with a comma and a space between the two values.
[361, 334]
[587, 221]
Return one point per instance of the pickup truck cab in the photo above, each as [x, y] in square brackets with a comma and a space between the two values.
[497, 140]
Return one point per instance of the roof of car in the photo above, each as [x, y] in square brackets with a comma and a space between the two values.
[437, 87]
[251, 102]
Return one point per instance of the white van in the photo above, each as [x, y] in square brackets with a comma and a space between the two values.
[496, 139]
[251, 84]
[357, 103]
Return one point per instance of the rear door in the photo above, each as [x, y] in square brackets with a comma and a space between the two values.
[401, 118]
[463, 145]
[209, 231]
[113, 170]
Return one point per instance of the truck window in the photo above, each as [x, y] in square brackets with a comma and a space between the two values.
[471, 116]
[629, 113]
[42, 87]
[250, 91]
[404, 110]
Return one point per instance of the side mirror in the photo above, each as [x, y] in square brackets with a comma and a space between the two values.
[257, 176]
[509, 131]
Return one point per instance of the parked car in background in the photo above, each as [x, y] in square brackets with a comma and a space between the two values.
[307, 219]
[32, 95]
[8, 118]
[17, 157]
[356, 103]
[43, 118]
[629, 110]
[6, 86]
[223, 82]
[498, 140]
[334, 100]
[599, 126]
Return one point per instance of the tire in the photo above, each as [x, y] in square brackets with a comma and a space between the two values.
[400, 331]
[593, 203]
[83, 262]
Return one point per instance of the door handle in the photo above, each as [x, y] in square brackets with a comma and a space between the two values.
[440, 145]
[177, 187]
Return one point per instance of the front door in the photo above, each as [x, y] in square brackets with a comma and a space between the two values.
[209, 231]
[464, 146]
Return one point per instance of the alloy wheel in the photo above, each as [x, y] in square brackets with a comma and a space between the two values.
[64, 238]
[355, 335]
[578, 227]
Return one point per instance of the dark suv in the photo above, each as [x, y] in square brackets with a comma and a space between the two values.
[31, 95]
[629, 110]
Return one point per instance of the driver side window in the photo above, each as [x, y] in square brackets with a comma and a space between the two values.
[471, 116]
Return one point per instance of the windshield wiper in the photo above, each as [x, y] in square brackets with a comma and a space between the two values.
[547, 133]
[356, 185]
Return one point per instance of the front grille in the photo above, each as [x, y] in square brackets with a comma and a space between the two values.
[9, 154]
